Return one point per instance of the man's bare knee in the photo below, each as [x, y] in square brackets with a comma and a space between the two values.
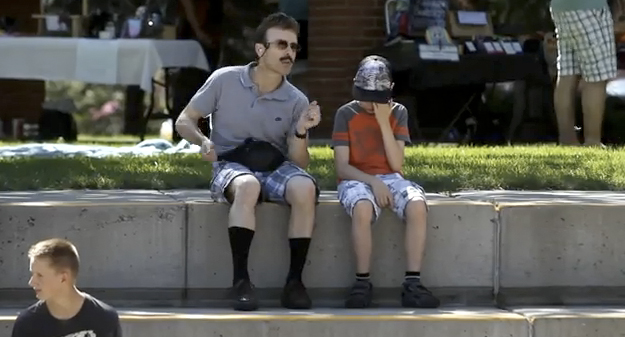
[363, 212]
[244, 191]
[300, 190]
[300, 194]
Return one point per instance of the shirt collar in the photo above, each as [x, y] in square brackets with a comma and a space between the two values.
[281, 94]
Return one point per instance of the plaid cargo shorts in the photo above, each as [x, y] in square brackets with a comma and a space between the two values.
[586, 44]
[350, 192]
[273, 184]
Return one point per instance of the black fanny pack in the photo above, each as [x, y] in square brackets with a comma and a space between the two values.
[256, 155]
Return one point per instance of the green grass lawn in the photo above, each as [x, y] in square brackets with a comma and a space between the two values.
[118, 140]
[438, 169]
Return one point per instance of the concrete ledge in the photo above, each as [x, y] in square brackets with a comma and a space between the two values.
[567, 253]
[191, 323]
[460, 247]
[77, 198]
[547, 198]
[561, 247]
[179, 239]
[126, 239]
[462, 274]
[515, 248]
[575, 322]
[465, 322]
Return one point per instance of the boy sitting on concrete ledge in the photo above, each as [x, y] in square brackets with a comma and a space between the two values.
[369, 136]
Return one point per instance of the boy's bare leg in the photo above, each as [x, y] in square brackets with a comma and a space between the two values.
[416, 229]
[360, 295]
[414, 294]
[361, 235]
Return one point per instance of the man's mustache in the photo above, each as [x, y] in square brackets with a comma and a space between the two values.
[286, 58]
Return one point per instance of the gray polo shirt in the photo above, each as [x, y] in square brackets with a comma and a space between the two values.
[237, 111]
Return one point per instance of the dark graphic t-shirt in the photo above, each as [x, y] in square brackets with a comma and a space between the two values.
[95, 319]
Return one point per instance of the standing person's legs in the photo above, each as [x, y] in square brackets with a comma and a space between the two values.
[293, 186]
[568, 78]
[596, 48]
[241, 189]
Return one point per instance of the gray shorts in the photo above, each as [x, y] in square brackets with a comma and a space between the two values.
[404, 191]
[586, 44]
[273, 184]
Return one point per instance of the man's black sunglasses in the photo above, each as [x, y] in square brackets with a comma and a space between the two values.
[283, 44]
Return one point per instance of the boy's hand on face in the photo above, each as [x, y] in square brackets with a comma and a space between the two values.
[382, 111]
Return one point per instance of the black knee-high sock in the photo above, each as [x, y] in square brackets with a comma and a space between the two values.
[240, 242]
[299, 253]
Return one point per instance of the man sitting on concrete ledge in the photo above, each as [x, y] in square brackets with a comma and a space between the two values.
[259, 148]
[369, 136]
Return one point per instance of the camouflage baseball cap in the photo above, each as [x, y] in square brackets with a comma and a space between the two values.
[373, 82]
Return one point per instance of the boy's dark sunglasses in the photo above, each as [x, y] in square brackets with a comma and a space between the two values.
[282, 45]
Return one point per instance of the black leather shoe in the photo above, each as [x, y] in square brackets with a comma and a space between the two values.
[295, 296]
[243, 296]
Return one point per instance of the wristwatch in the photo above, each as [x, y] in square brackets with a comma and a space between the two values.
[301, 135]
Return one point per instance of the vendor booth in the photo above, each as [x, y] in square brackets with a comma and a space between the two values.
[444, 57]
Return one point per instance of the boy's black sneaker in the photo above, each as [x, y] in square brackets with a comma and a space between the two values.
[360, 295]
[415, 295]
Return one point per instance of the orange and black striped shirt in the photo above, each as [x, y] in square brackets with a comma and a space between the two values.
[359, 130]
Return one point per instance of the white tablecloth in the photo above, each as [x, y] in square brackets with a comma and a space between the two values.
[119, 61]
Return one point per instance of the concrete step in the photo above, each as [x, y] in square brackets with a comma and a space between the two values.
[457, 322]
[511, 248]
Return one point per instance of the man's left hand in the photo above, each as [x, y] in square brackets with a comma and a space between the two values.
[382, 111]
[309, 118]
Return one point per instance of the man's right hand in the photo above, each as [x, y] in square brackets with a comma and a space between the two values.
[382, 193]
[207, 150]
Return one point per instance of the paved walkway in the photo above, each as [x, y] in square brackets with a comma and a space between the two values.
[448, 313]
